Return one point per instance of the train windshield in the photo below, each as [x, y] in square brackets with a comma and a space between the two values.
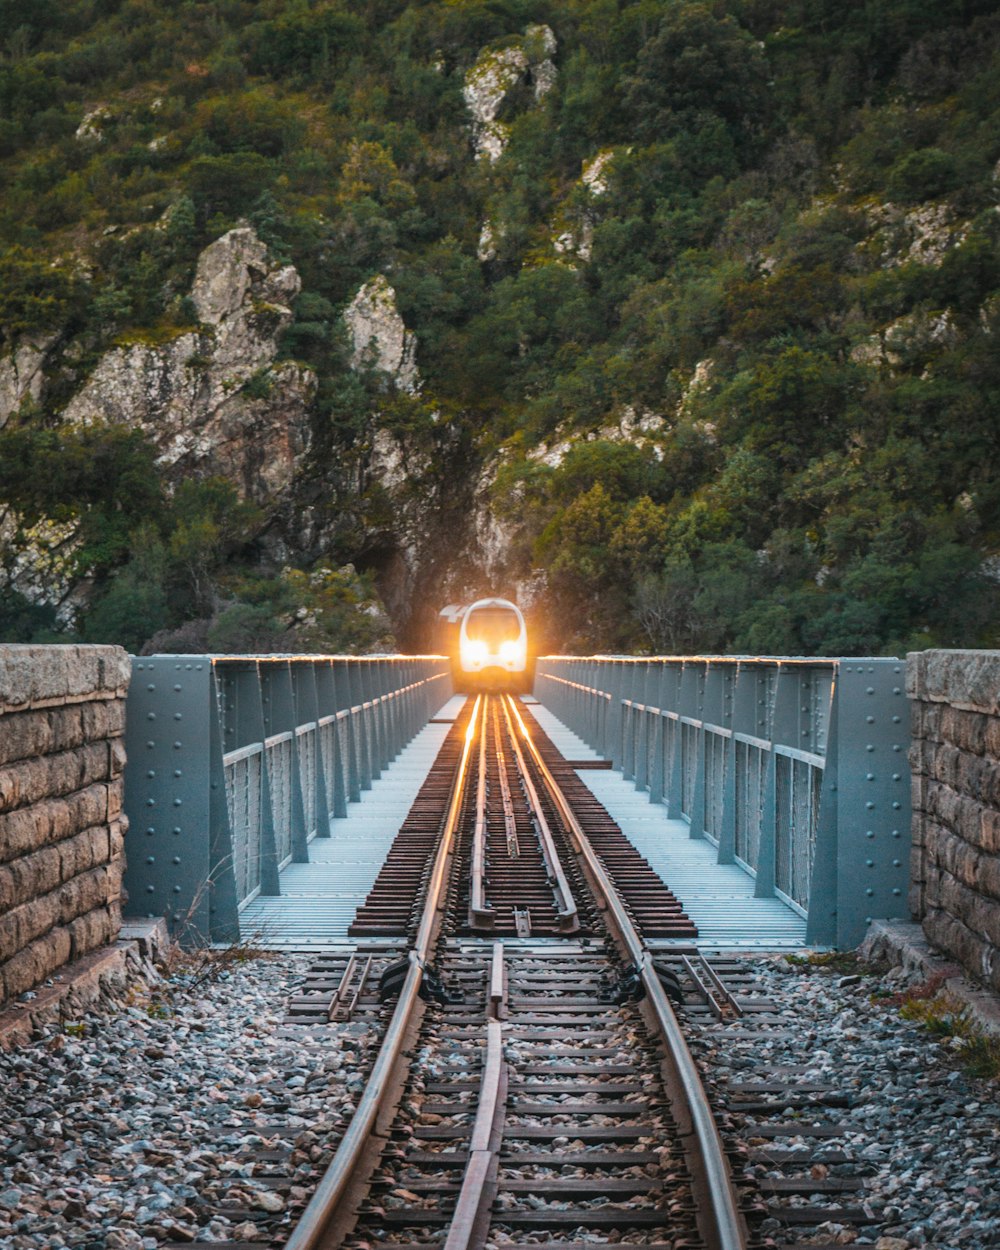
[493, 626]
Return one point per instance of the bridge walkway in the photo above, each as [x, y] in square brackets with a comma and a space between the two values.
[719, 898]
[318, 900]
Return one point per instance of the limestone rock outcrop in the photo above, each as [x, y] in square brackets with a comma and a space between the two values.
[908, 339]
[36, 561]
[91, 128]
[494, 76]
[496, 557]
[486, 248]
[923, 234]
[595, 172]
[639, 428]
[574, 231]
[22, 374]
[215, 400]
[379, 337]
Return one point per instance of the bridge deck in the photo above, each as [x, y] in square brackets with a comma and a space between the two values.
[719, 898]
[318, 900]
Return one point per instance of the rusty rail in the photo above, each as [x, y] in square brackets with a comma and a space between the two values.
[510, 824]
[481, 914]
[569, 920]
[317, 1216]
[470, 1219]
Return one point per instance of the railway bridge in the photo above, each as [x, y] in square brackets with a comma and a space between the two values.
[523, 914]
[773, 794]
[263, 794]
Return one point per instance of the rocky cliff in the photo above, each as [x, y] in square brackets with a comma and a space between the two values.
[215, 399]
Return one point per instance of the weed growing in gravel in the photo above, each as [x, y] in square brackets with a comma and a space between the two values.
[844, 963]
[204, 965]
[155, 999]
[192, 961]
[910, 997]
[981, 1056]
[939, 1013]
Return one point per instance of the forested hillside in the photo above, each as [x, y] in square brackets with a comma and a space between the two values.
[680, 320]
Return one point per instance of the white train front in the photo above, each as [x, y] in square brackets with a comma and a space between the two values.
[488, 645]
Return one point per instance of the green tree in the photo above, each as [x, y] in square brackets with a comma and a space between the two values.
[699, 64]
[35, 294]
[208, 524]
[133, 604]
[663, 606]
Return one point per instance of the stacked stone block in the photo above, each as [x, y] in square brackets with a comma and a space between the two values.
[955, 758]
[62, 723]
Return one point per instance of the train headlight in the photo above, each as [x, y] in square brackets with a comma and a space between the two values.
[512, 652]
[474, 651]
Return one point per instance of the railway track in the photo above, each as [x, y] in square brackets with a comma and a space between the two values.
[530, 1098]
[533, 1085]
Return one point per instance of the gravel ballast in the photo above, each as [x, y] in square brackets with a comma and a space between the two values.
[924, 1134]
[135, 1125]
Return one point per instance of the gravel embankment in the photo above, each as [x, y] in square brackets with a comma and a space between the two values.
[136, 1126]
[926, 1135]
[133, 1127]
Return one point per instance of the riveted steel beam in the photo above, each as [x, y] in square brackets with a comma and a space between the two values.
[794, 767]
[237, 761]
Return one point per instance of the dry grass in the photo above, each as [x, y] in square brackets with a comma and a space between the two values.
[843, 963]
[932, 1008]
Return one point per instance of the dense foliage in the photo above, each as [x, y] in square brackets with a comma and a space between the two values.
[786, 294]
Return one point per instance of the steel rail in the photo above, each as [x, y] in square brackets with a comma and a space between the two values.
[510, 823]
[312, 1225]
[346, 977]
[711, 1002]
[727, 1229]
[359, 988]
[721, 988]
[497, 980]
[481, 914]
[569, 919]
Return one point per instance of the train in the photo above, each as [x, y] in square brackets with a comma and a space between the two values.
[487, 643]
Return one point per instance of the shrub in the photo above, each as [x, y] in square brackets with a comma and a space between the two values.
[922, 175]
[35, 294]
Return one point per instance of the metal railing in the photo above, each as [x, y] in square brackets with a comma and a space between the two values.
[796, 769]
[237, 762]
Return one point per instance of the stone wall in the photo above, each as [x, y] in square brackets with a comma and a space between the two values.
[955, 758]
[62, 721]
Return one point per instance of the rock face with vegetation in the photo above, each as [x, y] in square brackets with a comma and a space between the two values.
[22, 375]
[379, 339]
[494, 79]
[311, 309]
[214, 400]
